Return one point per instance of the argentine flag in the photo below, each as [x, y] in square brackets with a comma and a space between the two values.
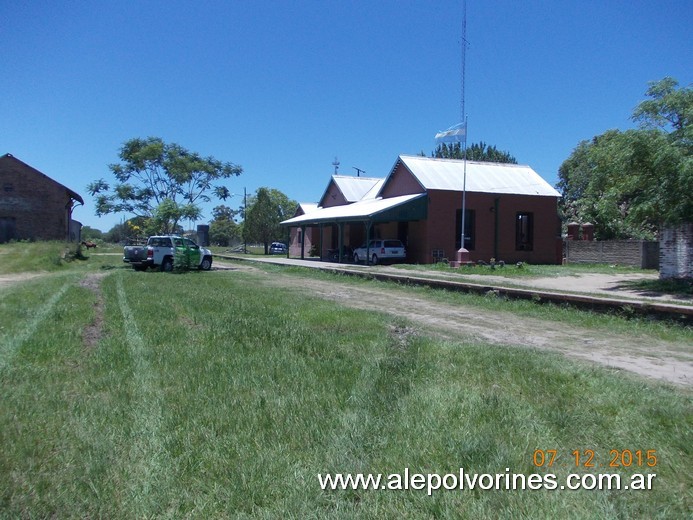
[454, 134]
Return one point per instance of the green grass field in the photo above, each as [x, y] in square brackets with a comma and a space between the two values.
[210, 395]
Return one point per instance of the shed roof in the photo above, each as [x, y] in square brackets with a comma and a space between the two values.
[358, 211]
[482, 177]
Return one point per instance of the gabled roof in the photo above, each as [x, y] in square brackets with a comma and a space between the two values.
[307, 207]
[352, 188]
[11, 158]
[482, 177]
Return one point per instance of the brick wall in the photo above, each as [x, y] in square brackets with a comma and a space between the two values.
[635, 253]
[676, 252]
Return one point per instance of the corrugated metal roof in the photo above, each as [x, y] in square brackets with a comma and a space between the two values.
[354, 188]
[482, 177]
[357, 211]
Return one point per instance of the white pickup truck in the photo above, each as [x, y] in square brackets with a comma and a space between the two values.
[161, 251]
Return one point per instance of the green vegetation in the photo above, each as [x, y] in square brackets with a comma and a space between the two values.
[209, 395]
[629, 184]
[525, 270]
[640, 328]
[161, 184]
[18, 257]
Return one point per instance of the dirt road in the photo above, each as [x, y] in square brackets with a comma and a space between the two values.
[656, 359]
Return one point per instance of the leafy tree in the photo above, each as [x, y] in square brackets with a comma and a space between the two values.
[476, 152]
[629, 184]
[90, 233]
[117, 234]
[265, 211]
[670, 110]
[223, 230]
[162, 182]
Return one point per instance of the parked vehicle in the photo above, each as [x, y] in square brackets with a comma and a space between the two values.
[380, 250]
[161, 251]
[278, 248]
[347, 254]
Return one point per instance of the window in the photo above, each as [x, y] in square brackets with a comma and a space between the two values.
[524, 232]
[469, 234]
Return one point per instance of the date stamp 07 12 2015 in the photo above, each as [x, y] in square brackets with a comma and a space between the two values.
[588, 459]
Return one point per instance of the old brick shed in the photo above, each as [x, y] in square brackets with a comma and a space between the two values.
[33, 206]
[511, 212]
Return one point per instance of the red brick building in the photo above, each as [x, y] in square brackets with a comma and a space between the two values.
[34, 206]
[511, 212]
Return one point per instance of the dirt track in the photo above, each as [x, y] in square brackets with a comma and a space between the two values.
[667, 361]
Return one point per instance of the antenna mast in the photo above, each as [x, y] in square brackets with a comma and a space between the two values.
[335, 163]
[464, 56]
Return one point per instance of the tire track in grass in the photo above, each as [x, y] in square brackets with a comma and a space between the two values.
[9, 346]
[146, 469]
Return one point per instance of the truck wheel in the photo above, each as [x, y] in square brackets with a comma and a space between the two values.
[374, 260]
[167, 264]
[206, 263]
[356, 258]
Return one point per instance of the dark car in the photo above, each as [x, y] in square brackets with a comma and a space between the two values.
[277, 248]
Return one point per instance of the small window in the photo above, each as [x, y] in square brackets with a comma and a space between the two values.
[524, 232]
[300, 237]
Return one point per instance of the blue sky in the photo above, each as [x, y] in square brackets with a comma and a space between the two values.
[282, 87]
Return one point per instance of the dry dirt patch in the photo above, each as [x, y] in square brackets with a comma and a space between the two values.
[655, 359]
[92, 333]
[9, 279]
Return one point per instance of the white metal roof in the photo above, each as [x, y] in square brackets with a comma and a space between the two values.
[482, 177]
[358, 210]
[354, 188]
[307, 207]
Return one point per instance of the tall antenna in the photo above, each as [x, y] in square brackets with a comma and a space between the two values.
[335, 163]
[464, 56]
[458, 132]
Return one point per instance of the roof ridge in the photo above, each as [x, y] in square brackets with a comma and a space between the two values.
[469, 161]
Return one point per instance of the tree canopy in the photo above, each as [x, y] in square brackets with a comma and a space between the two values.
[629, 184]
[265, 211]
[161, 182]
[223, 229]
[476, 152]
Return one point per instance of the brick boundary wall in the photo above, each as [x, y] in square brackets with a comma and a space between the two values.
[676, 252]
[635, 253]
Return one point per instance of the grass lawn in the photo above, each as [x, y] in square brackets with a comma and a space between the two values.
[207, 395]
[527, 270]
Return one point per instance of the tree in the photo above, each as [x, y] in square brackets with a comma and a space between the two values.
[162, 182]
[476, 152]
[90, 233]
[117, 234]
[265, 211]
[223, 230]
[629, 184]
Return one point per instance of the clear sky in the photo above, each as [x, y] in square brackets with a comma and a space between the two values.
[283, 87]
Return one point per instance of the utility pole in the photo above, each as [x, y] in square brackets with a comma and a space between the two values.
[245, 213]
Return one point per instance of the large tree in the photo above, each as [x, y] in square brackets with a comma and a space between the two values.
[629, 184]
[162, 182]
[476, 152]
[265, 211]
[223, 229]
